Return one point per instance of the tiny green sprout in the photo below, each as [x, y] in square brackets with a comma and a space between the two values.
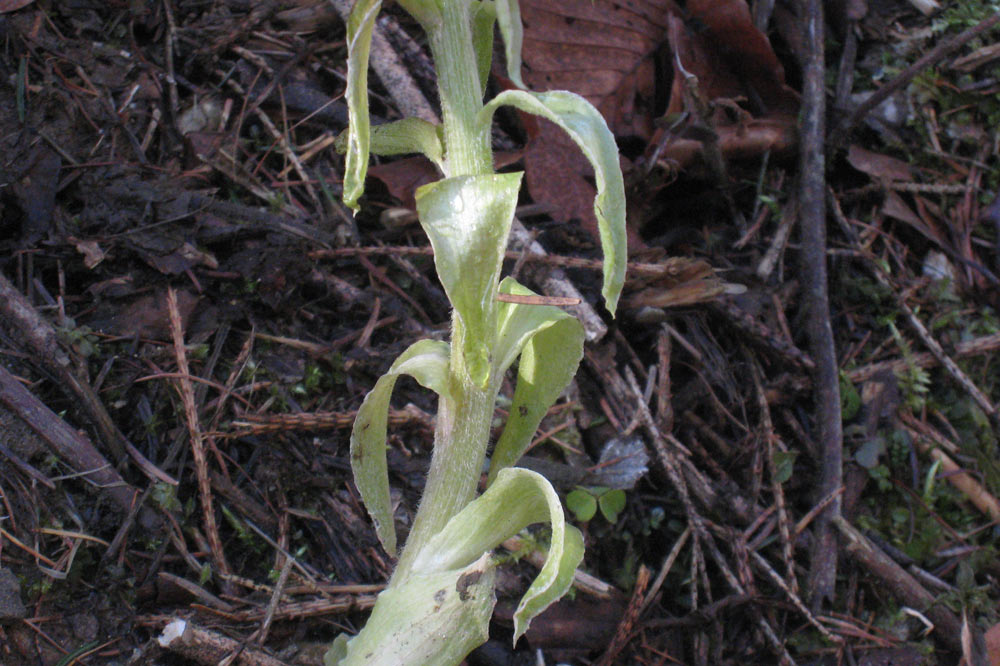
[930, 479]
[850, 399]
[584, 503]
[654, 520]
[771, 203]
[165, 497]
[81, 338]
[784, 465]
[437, 605]
[246, 536]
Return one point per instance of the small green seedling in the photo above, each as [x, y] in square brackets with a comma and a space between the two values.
[437, 605]
[584, 502]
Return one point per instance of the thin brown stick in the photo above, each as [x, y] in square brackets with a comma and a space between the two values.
[815, 511]
[634, 267]
[956, 373]
[986, 344]
[168, 56]
[665, 448]
[272, 604]
[787, 546]
[68, 443]
[186, 389]
[528, 299]
[793, 596]
[812, 215]
[208, 647]
[930, 441]
[257, 424]
[380, 276]
[627, 624]
[900, 583]
[668, 564]
[937, 351]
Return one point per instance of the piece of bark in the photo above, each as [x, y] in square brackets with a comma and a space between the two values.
[24, 323]
[69, 444]
[11, 606]
[208, 647]
[392, 71]
[900, 583]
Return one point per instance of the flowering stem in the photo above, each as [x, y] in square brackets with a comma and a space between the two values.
[467, 144]
[462, 428]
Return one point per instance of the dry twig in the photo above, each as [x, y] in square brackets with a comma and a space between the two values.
[186, 390]
[826, 380]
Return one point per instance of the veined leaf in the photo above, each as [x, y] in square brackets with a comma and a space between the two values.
[512, 31]
[434, 619]
[468, 220]
[359, 40]
[427, 362]
[550, 342]
[590, 132]
[516, 499]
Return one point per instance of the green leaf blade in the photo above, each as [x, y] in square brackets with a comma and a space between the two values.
[484, 17]
[409, 135]
[612, 503]
[435, 618]
[588, 129]
[468, 219]
[518, 498]
[550, 343]
[427, 362]
[360, 25]
[427, 12]
[582, 504]
[512, 32]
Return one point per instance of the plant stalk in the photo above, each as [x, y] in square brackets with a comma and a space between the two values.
[461, 434]
[463, 422]
[467, 145]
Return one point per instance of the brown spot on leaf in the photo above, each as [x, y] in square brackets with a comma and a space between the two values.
[465, 582]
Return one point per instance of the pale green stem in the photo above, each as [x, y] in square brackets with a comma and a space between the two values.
[467, 144]
[461, 434]
[463, 420]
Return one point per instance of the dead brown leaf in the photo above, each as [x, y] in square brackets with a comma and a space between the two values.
[403, 177]
[13, 5]
[878, 166]
[91, 251]
[727, 77]
[683, 281]
[558, 173]
[601, 49]
[604, 50]
[993, 644]
[732, 58]
[147, 316]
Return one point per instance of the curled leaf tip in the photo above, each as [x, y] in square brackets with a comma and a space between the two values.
[587, 128]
